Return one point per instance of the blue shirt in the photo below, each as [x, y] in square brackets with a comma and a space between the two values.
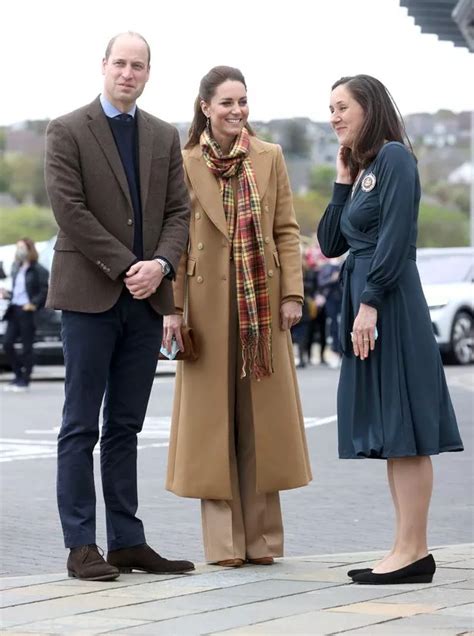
[110, 110]
[20, 297]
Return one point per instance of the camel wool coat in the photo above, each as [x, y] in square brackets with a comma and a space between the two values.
[199, 464]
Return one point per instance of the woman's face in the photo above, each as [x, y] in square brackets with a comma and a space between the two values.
[21, 251]
[347, 115]
[228, 111]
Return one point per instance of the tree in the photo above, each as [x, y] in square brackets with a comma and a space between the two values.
[296, 141]
[3, 139]
[321, 180]
[26, 178]
[37, 223]
[5, 175]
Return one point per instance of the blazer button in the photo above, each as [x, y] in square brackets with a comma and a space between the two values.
[265, 207]
[197, 216]
[270, 272]
[130, 222]
[200, 246]
[267, 239]
[199, 279]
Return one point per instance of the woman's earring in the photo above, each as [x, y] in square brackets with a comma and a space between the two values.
[208, 123]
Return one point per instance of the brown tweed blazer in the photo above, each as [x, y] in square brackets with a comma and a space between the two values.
[89, 194]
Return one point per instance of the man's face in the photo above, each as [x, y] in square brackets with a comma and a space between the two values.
[126, 71]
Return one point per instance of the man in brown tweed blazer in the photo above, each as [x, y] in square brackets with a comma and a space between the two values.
[114, 177]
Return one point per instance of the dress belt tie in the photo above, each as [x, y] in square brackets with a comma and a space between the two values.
[347, 311]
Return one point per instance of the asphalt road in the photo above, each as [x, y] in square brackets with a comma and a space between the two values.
[346, 507]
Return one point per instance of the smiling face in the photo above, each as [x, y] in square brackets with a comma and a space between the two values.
[126, 71]
[347, 115]
[228, 111]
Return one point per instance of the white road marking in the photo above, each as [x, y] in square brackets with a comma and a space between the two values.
[155, 434]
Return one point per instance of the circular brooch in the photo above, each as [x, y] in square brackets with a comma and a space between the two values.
[368, 182]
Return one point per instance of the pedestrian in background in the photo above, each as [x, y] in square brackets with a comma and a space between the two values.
[393, 401]
[237, 435]
[299, 332]
[115, 180]
[28, 295]
[330, 288]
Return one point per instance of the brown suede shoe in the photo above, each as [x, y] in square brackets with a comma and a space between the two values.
[87, 563]
[145, 559]
[268, 560]
[230, 563]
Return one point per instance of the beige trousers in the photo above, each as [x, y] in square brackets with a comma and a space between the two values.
[249, 525]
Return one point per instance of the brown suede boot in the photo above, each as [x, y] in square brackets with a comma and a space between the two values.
[262, 561]
[88, 564]
[230, 563]
[145, 559]
[267, 560]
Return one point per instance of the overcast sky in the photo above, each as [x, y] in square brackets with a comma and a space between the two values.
[290, 52]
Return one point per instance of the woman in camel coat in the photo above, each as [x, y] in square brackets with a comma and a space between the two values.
[237, 434]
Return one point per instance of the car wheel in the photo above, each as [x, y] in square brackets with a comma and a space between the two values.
[462, 339]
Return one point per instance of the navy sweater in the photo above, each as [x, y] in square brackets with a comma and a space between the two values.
[126, 137]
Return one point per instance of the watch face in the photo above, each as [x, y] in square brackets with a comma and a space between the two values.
[165, 268]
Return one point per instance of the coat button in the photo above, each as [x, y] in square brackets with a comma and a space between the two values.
[224, 277]
[270, 272]
[130, 222]
[197, 216]
[199, 279]
[267, 239]
[265, 207]
[200, 246]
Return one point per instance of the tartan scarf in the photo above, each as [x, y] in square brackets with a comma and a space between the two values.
[245, 231]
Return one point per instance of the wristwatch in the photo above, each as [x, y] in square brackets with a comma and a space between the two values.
[165, 266]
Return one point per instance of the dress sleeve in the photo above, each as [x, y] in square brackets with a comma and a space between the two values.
[397, 181]
[330, 237]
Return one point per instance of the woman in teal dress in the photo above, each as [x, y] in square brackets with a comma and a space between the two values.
[393, 402]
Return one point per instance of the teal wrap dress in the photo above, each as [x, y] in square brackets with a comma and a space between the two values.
[396, 402]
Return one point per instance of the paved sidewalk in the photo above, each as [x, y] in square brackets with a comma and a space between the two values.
[305, 595]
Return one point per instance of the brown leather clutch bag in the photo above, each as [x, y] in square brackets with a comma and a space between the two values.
[190, 353]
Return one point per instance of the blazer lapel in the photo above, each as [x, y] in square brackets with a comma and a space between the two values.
[145, 143]
[262, 165]
[101, 130]
[207, 190]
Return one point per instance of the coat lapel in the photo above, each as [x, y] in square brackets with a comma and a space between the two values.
[262, 162]
[145, 143]
[101, 130]
[207, 190]
[206, 186]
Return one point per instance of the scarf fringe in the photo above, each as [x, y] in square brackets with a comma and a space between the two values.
[257, 354]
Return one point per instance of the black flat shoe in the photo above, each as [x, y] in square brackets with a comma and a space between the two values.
[352, 573]
[420, 571]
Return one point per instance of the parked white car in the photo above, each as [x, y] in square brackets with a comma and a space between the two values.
[447, 276]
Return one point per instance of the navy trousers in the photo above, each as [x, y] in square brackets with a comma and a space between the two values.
[20, 325]
[108, 356]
